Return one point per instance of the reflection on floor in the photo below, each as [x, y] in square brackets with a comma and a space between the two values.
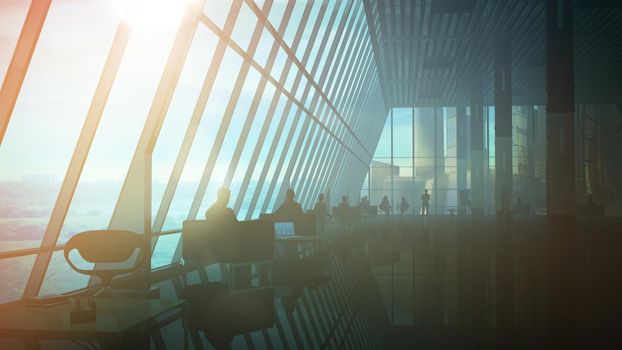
[431, 283]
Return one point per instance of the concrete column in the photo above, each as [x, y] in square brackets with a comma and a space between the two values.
[560, 106]
[461, 153]
[503, 194]
[503, 124]
[477, 151]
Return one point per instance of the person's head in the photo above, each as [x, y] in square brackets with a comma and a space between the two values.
[426, 190]
[289, 196]
[403, 198]
[385, 198]
[344, 199]
[320, 197]
[223, 195]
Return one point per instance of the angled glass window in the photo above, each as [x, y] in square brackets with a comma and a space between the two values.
[383, 149]
[230, 141]
[14, 272]
[120, 128]
[61, 278]
[180, 111]
[244, 27]
[203, 143]
[272, 204]
[276, 13]
[217, 10]
[250, 143]
[294, 20]
[306, 34]
[164, 250]
[271, 164]
[263, 47]
[12, 16]
[279, 63]
[48, 116]
[262, 162]
[322, 31]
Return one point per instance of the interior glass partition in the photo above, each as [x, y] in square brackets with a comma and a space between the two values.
[416, 151]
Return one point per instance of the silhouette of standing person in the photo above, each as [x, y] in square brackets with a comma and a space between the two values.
[219, 210]
[404, 206]
[385, 206]
[290, 208]
[319, 209]
[425, 203]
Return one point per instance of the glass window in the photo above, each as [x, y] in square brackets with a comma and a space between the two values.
[263, 162]
[203, 143]
[288, 158]
[217, 10]
[294, 21]
[242, 106]
[252, 141]
[263, 48]
[12, 15]
[322, 30]
[383, 149]
[306, 34]
[61, 278]
[120, 128]
[15, 273]
[277, 13]
[180, 111]
[48, 116]
[244, 27]
[164, 250]
[402, 138]
[279, 64]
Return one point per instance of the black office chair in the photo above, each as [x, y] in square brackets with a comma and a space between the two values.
[107, 247]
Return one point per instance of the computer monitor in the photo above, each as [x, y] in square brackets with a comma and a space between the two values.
[284, 229]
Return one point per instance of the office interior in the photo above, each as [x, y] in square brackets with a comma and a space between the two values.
[310, 174]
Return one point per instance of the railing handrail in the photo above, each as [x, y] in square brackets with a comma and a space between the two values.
[32, 251]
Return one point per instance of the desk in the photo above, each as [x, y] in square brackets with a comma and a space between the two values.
[300, 239]
[117, 320]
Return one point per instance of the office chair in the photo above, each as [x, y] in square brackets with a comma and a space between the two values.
[107, 247]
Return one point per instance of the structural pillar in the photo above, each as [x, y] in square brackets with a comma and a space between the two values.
[503, 125]
[503, 194]
[477, 151]
[461, 153]
[560, 183]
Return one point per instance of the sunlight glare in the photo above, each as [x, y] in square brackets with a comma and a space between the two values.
[151, 16]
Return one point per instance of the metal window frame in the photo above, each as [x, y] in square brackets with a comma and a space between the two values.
[78, 159]
[325, 71]
[267, 122]
[193, 125]
[20, 61]
[286, 110]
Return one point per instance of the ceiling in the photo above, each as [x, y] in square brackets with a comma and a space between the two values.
[431, 51]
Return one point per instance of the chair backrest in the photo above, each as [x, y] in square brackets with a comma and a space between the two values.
[106, 247]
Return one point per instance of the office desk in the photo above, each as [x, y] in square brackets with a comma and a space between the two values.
[300, 239]
[117, 320]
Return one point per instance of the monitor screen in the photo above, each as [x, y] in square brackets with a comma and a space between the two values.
[284, 229]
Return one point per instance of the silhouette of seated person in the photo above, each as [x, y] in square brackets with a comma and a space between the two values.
[319, 209]
[342, 210]
[290, 208]
[364, 205]
[219, 211]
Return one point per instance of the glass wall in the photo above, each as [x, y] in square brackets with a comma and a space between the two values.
[416, 151]
[155, 107]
